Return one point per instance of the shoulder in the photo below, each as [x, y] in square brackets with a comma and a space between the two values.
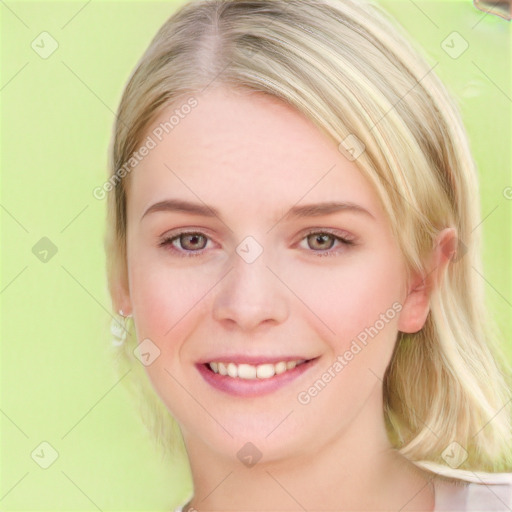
[475, 491]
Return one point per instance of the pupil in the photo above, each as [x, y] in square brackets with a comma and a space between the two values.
[193, 240]
[320, 240]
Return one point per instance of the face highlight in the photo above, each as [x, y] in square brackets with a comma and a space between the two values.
[257, 254]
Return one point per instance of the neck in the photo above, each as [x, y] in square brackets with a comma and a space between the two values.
[356, 470]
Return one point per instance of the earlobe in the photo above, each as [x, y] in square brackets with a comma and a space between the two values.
[417, 303]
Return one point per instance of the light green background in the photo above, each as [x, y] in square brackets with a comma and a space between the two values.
[57, 384]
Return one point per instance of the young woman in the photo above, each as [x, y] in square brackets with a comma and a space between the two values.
[292, 232]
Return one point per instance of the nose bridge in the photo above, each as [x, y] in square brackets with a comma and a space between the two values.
[250, 294]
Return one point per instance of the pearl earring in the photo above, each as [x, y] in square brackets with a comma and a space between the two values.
[119, 328]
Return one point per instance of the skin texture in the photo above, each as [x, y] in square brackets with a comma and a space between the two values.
[253, 158]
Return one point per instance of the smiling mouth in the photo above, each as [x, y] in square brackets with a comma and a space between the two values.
[253, 376]
[253, 372]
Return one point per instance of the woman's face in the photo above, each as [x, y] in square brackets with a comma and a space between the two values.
[254, 242]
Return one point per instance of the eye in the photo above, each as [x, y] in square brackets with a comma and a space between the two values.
[188, 244]
[322, 242]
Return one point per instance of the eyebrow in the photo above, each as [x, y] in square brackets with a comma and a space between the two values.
[308, 210]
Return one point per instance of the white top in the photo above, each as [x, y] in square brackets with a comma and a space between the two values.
[461, 491]
[473, 491]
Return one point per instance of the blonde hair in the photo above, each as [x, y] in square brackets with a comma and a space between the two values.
[346, 67]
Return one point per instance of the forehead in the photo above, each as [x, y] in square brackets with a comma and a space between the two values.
[238, 149]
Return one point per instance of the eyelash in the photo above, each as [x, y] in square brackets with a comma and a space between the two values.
[167, 242]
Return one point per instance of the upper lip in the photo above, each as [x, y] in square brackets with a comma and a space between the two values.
[253, 360]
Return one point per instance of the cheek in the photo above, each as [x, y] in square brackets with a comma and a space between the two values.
[167, 305]
[166, 299]
[160, 300]
[360, 298]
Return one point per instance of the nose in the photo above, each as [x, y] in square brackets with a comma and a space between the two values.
[250, 295]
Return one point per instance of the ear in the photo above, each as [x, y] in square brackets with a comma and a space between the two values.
[119, 290]
[417, 303]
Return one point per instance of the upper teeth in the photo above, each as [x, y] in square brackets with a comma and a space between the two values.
[249, 371]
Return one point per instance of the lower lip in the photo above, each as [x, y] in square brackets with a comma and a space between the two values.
[252, 387]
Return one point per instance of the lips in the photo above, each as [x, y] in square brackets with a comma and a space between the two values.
[252, 376]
